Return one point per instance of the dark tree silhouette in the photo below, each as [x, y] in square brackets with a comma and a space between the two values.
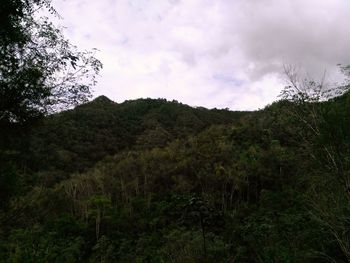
[40, 71]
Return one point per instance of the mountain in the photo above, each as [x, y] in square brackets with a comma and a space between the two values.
[150, 180]
[76, 139]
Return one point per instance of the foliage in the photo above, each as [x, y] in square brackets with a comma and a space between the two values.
[156, 181]
[230, 187]
[40, 71]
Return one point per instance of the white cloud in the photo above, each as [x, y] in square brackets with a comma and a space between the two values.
[204, 52]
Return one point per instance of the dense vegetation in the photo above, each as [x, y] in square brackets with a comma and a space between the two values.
[157, 181]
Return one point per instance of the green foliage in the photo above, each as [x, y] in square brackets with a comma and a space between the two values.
[127, 183]
[75, 140]
[156, 181]
[38, 245]
[40, 71]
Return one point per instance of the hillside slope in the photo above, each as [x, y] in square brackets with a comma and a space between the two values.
[76, 139]
[157, 181]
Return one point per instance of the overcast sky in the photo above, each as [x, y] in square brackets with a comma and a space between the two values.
[212, 53]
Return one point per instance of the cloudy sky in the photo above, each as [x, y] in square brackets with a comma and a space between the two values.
[212, 53]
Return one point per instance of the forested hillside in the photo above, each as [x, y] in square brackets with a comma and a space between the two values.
[74, 140]
[157, 181]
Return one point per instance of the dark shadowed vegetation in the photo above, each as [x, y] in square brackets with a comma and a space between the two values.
[157, 181]
[151, 180]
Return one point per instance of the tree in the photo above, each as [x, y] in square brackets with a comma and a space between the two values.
[322, 112]
[40, 71]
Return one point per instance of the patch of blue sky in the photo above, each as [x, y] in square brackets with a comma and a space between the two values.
[228, 79]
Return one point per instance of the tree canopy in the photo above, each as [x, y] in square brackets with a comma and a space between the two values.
[40, 71]
[155, 181]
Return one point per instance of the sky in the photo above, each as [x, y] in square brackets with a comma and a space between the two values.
[211, 53]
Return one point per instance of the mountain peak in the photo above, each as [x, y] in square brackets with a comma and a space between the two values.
[102, 99]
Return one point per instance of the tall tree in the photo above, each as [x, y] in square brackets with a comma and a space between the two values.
[40, 71]
[322, 112]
